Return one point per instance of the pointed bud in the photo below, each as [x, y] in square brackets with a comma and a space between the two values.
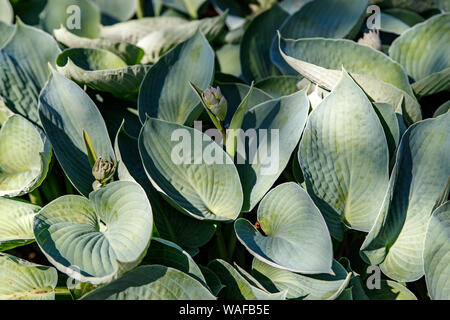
[371, 39]
[215, 102]
[103, 169]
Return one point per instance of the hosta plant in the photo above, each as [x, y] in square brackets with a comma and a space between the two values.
[210, 150]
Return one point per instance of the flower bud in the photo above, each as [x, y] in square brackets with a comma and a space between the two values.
[103, 169]
[215, 102]
[371, 39]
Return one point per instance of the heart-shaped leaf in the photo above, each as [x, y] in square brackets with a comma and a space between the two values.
[25, 155]
[237, 287]
[295, 236]
[396, 240]
[102, 70]
[345, 145]
[273, 130]
[23, 280]
[326, 18]
[154, 282]
[313, 287]
[82, 17]
[185, 231]
[24, 69]
[97, 239]
[165, 92]
[126, 51]
[436, 253]
[196, 175]
[255, 45]
[66, 111]
[16, 223]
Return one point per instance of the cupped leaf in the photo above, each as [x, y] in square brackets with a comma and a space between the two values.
[278, 86]
[157, 43]
[423, 49]
[96, 240]
[443, 108]
[66, 111]
[190, 170]
[16, 223]
[128, 52]
[407, 16]
[237, 287]
[24, 69]
[172, 225]
[81, 17]
[102, 70]
[326, 18]
[392, 24]
[255, 45]
[270, 132]
[134, 30]
[154, 282]
[212, 280]
[377, 90]
[23, 280]
[6, 12]
[354, 57]
[116, 10]
[25, 155]
[312, 287]
[421, 171]
[432, 84]
[295, 236]
[169, 254]
[165, 92]
[436, 253]
[391, 126]
[344, 145]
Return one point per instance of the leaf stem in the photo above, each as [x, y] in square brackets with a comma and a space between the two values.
[221, 247]
[36, 197]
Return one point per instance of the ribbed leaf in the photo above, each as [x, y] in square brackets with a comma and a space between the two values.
[165, 92]
[344, 158]
[152, 283]
[25, 155]
[204, 187]
[295, 235]
[436, 254]
[65, 111]
[97, 239]
[23, 280]
[16, 223]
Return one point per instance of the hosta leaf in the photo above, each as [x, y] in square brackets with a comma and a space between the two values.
[28, 10]
[392, 24]
[344, 158]
[165, 92]
[134, 30]
[97, 239]
[190, 7]
[16, 223]
[255, 46]
[128, 52]
[171, 224]
[65, 111]
[312, 287]
[436, 253]
[6, 12]
[443, 108]
[324, 18]
[420, 174]
[237, 287]
[434, 83]
[25, 155]
[156, 43]
[293, 6]
[278, 86]
[390, 290]
[390, 123]
[228, 59]
[23, 280]
[423, 49]
[200, 184]
[102, 70]
[236, 12]
[6, 32]
[24, 69]
[377, 90]
[116, 10]
[407, 16]
[295, 235]
[273, 130]
[168, 254]
[152, 283]
[212, 280]
[81, 17]
[355, 58]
